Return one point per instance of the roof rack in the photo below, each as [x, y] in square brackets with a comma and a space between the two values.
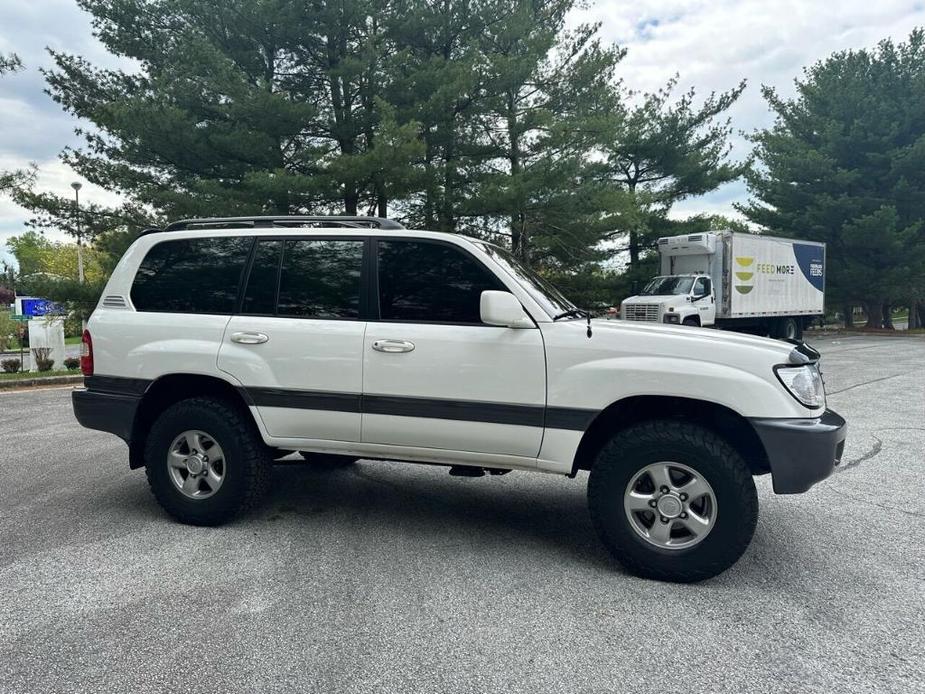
[337, 221]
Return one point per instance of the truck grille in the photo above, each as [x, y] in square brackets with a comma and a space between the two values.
[641, 312]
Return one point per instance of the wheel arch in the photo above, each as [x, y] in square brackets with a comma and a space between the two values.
[172, 388]
[728, 423]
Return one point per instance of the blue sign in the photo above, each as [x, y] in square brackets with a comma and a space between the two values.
[36, 308]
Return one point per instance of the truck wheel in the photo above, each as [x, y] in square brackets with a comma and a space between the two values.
[206, 462]
[788, 328]
[691, 321]
[328, 460]
[672, 501]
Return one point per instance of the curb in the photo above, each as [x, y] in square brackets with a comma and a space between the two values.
[38, 381]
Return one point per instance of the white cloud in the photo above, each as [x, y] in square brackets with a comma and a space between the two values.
[714, 44]
[53, 177]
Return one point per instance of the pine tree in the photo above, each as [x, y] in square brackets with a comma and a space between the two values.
[844, 163]
[663, 152]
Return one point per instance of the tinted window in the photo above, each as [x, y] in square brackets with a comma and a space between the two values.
[320, 279]
[544, 293]
[260, 295]
[191, 275]
[426, 282]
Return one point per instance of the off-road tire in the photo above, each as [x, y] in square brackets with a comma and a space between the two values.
[328, 460]
[700, 449]
[247, 460]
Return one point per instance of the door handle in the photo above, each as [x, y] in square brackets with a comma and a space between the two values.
[249, 338]
[393, 346]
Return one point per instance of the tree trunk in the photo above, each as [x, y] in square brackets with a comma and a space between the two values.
[520, 244]
[382, 205]
[351, 200]
[874, 310]
[634, 234]
[920, 311]
[848, 313]
[913, 316]
[888, 315]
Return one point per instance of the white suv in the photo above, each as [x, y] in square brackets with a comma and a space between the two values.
[220, 344]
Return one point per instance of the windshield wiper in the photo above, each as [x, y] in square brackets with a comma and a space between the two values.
[572, 313]
[577, 313]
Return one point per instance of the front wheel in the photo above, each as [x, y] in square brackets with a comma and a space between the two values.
[672, 501]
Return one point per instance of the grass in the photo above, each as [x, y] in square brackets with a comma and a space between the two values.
[27, 375]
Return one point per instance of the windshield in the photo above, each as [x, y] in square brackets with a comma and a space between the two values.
[668, 285]
[541, 291]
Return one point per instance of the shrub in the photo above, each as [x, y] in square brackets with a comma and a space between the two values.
[10, 366]
[71, 363]
[42, 362]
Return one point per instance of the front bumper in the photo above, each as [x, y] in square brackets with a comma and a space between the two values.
[802, 452]
[111, 412]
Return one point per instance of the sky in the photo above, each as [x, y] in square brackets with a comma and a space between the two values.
[710, 44]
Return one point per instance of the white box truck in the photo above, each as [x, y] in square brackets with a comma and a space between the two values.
[746, 282]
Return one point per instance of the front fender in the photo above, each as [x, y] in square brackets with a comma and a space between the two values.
[598, 383]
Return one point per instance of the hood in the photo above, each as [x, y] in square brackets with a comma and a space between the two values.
[713, 344]
[653, 299]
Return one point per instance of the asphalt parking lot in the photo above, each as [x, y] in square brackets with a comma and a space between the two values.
[391, 577]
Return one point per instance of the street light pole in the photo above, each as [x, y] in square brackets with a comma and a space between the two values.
[80, 257]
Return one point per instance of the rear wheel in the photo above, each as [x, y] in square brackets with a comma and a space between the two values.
[672, 501]
[205, 461]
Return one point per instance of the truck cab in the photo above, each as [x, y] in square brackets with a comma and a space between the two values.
[676, 299]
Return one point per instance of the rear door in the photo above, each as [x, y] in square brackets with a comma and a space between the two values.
[296, 343]
[435, 376]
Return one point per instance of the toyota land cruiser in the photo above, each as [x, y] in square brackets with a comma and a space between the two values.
[220, 344]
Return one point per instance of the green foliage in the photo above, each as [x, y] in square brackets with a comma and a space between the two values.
[8, 329]
[10, 366]
[486, 117]
[662, 152]
[844, 163]
[471, 116]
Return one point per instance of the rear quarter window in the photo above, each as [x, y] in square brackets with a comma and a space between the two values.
[191, 275]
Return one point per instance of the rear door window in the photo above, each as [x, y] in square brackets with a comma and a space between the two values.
[320, 278]
[263, 280]
[191, 275]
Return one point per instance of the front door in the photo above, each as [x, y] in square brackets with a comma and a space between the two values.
[706, 306]
[435, 376]
[296, 344]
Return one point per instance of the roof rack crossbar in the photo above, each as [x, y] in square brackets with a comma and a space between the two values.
[283, 221]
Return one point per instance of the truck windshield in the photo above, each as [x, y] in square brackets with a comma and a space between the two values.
[544, 293]
[668, 285]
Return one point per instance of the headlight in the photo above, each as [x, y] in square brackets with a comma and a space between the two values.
[804, 383]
